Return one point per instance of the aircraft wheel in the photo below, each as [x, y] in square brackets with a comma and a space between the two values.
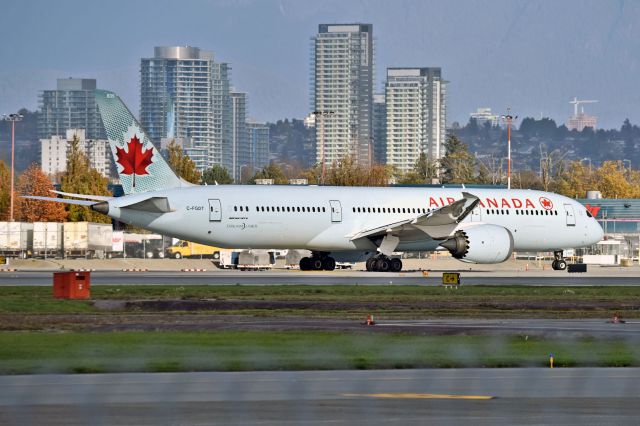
[383, 265]
[396, 265]
[561, 264]
[370, 264]
[316, 264]
[328, 263]
[305, 264]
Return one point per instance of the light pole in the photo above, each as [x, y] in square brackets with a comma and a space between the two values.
[322, 114]
[509, 118]
[12, 118]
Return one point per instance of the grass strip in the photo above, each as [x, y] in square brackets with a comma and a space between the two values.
[27, 353]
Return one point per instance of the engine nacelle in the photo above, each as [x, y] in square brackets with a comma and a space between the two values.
[481, 244]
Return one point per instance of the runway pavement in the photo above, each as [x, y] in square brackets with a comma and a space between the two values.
[590, 396]
[274, 277]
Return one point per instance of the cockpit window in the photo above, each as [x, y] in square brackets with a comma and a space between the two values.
[589, 213]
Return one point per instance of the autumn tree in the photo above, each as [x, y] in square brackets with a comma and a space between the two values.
[576, 180]
[81, 178]
[5, 191]
[217, 174]
[612, 182]
[272, 171]
[182, 164]
[458, 164]
[34, 182]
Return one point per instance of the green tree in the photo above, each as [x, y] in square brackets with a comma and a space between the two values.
[80, 178]
[423, 171]
[182, 164]
[272, 171]
[216, 174]
[458, 164]
[5, 190]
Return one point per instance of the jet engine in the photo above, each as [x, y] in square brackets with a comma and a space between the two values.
[480, 244]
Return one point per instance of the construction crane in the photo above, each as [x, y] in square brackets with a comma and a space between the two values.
[576, 104]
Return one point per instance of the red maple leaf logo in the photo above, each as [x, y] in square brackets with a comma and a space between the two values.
[134, 161]
[546, 203]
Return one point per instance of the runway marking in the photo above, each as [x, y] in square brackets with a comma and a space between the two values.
[418, 396]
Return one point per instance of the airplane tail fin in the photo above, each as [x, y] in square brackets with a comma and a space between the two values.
[140, 166]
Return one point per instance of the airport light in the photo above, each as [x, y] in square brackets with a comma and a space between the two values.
[509, 119]
[12, 118]
[321, 115]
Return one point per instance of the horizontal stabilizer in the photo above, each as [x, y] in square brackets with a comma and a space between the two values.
[83, 196]
[61, 200]
[151, 205]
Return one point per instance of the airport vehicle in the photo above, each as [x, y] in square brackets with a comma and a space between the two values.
[343, 223]
[190, 249]
[47, 239]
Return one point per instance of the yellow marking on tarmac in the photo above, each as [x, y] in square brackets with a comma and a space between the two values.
[417, 396]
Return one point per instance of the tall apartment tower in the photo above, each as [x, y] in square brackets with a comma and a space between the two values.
[184, 94]
[342, 92]
[239, 147]
[379, 129]
[72, 105]
[258, 138]
[416, 115]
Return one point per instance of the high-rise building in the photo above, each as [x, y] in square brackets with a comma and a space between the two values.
[379, 129]
[184, 94]
[72, 105]
[239, 147]
[55, 150]
[416, 115]
[258, 137]
[342, 91]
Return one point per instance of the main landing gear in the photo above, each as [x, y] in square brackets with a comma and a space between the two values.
[317, 262]
[559, 264]
[382, 263]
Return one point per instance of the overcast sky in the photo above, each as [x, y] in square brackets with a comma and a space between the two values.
[534, 56]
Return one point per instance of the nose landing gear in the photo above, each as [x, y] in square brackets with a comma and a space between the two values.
[559, 264]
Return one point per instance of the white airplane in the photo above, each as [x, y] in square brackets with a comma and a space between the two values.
[344, 223]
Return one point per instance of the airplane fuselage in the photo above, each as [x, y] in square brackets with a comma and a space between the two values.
[324, 218]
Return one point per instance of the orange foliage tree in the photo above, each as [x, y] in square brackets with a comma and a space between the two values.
[34, 182]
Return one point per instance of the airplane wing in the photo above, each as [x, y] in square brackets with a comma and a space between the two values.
[61, 200]
[438, 224]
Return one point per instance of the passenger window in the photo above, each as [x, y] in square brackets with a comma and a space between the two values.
[235, 208]
[246, 208]
[323, 210]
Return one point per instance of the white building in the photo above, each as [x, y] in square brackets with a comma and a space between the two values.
[342, 84]
[484, 115]
[54, 152]
[416, 115]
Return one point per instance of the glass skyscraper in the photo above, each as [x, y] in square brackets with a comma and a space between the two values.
[184, 94]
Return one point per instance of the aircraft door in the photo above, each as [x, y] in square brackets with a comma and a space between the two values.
[215, 211]
[336, 211]
[475, 214]
[571, 218]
